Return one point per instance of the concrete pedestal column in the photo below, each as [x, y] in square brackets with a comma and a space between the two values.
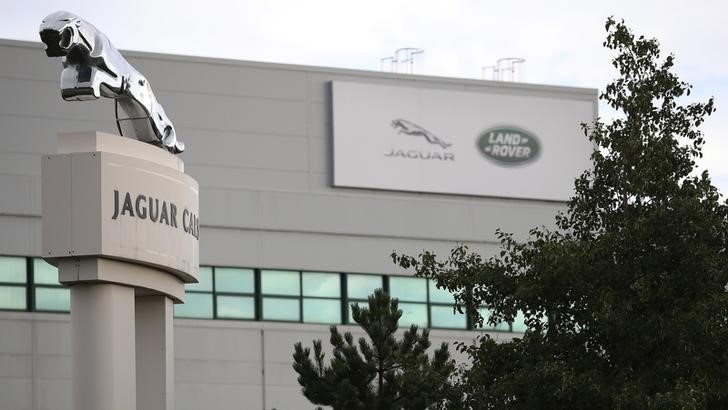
[126, 263]
[154, 353]
[102, 331]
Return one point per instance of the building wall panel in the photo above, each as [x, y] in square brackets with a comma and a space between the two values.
[225, 78]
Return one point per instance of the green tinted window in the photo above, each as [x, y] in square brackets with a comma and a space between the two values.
[236, 307]
[321, 284]
[408, 289]
[54, 299]
[439, 295]
[361, 286]
[44, 273]
[443, 316]
[413, 314]
[281, 309]
[12, 269]
[321, 311]
[280, 282]
[501, 327]
[12, 297]
[204, 278]
[197, 305]
[234, 280]
[518, 324]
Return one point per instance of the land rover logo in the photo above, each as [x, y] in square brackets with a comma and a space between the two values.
[509, 145]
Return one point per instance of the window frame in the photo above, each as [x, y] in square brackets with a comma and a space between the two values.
[211, 292]
[349, 301]
[262, 296]
[440, 304]
[28, 292]
[216, 293]
[340, 276]
[426, 302]
[33, 287]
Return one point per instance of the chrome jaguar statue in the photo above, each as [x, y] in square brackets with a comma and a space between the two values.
[94, 68]
[410, 128]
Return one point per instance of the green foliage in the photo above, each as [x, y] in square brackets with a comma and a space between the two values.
[384, 373]
[633, 278]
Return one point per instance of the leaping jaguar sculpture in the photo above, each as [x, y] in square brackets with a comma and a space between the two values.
[94, 68]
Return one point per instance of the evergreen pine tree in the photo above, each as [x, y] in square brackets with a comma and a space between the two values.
[382, 372]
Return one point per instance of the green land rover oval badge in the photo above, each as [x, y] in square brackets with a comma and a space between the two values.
[509, 145]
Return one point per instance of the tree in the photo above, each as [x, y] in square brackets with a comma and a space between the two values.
[384, 373]
[632, 279]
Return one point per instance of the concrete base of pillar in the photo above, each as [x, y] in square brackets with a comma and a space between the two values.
[154, 353]
[102, 332]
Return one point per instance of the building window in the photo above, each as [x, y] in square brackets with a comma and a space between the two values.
[498, 327]
[198, 297]
[519, 324]
[13, 283]
[442, 313]
[48, 294]
[321, 297]
[281, 295]
[235, 293]
[412, 295]
[358, 289]
[28, 283]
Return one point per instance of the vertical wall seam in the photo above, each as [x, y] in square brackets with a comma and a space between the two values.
[308, 130]
[259, 233]
[33, 363]
[262, 365]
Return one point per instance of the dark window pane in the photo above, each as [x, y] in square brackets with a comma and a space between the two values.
[500, 327]
[234, 280]
[443, 316]
[204, 278]
[439, 295]
[321, 311]
[55, 299]
[236, 307]
[518, 324]
[12, 297]
[361, 286]
[413, 314]
[44, 273]
[281, 309]
[321, 284]
[280, 282]
[408, 289]
[197, 305]
[12, 269]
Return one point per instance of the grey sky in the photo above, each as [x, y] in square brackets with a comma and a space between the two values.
[560, 40]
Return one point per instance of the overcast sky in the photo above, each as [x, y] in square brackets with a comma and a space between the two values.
[560, 40]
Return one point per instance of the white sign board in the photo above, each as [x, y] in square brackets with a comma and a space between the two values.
[458, 142]
[123, 199]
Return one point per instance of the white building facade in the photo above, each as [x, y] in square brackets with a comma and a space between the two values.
[309, 179]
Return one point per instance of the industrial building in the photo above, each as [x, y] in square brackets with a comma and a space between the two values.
[309, 179]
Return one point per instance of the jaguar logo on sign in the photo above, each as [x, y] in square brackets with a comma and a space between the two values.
[509, 145]
[410, 128]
